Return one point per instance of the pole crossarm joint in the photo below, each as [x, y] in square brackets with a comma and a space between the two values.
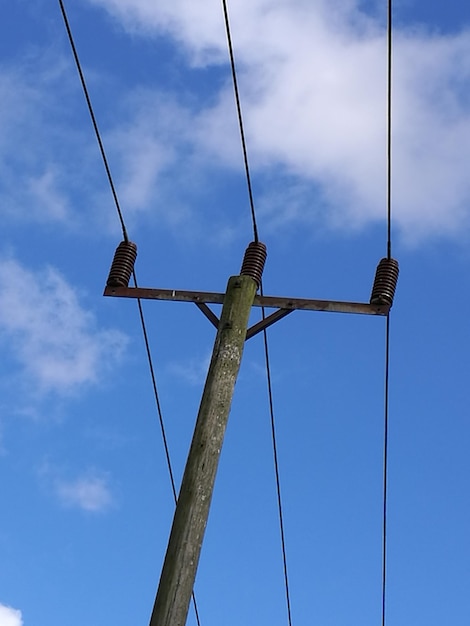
[252, 330]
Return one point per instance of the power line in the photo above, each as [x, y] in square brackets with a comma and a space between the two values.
[385, 467]
[276, 472]
[93, 120]
[387, 328]
[240, 120]
[125, 236]
[265, 334]
[389, 127]
[156, 394]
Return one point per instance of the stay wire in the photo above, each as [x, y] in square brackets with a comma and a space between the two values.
[126, 238]
[276, 470]
[93, 120]
[387, 329]
[240, 120]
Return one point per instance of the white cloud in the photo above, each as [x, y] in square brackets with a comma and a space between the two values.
[192, 23]
[146, 146]
[313, 85]
[90, 493]
[193, 371]
[32, 141]
[53, 338]
[10, 616]
[44, 188]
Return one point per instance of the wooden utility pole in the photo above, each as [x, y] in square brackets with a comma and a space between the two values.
[192, 510]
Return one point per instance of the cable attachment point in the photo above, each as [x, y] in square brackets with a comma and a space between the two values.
[123, 265]
[254, 260]
[385, 282]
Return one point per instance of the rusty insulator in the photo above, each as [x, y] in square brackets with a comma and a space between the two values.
[123, 265]
[253, 262]
[385, 282]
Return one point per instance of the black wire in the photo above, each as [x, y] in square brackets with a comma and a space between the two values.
[385, 467]
[93, 120]
[387, 330]
[160, 417]
[389, 130]
[240, 120]
[276, 471]
[155, 391]
[125, 236]
[265, 336]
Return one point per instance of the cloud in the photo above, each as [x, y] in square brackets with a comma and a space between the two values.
[50, 166]
[89, 493]
[10, 617]
[51, 336]
[196, 25]
[313, 85]
[193, 371]
[146, 147]
[31, 148]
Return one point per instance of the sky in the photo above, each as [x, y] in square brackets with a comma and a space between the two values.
[86, 497]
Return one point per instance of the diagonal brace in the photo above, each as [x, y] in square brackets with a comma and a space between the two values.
[267, 321]
[253, 330]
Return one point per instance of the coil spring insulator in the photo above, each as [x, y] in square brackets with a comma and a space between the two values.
[123, 264]
[385, 282]
[253, 262]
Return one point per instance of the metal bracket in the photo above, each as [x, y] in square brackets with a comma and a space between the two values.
[209, 313]
[253, 330]
[267, 321]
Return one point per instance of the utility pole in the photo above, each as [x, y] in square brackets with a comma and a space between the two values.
[192, 509]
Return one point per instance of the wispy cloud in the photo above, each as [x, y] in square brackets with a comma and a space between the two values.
[89, 493]
[45, 158]
[10, 616]
[192, 371]
[147, 147]
[30, 142]
[193, 24]
[313, 81]
[52, 337]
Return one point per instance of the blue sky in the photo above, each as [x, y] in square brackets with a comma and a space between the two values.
[87, 504]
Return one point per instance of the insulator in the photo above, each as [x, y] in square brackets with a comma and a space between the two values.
[253, 262]
[385, 282]
[123, 265]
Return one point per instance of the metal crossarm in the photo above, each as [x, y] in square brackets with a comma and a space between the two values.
[274, 302]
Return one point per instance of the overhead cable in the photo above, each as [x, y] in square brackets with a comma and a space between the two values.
[387, 329]
[126, 238]
[265, 335]
[277, 473]
[93, 120]
[240, 120]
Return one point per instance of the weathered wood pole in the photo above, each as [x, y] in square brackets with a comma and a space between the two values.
[192, 509]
